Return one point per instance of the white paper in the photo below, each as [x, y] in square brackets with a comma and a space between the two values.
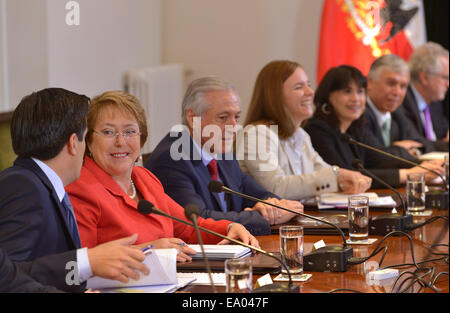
[199, 278]
[335, 198]
[340, 200]
[436, 155]
[220, 251]
[163, 271]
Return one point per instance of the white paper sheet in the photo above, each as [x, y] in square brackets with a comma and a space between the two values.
[163, 271]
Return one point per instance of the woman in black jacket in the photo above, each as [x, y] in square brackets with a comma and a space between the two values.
[340, 102]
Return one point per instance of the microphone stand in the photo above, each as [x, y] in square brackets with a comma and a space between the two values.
[384, 224]
[324, 259]
[147, 208]
[436, 199]
[193, 218]
[349, 139]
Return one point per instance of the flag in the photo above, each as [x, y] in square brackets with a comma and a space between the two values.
[356, 32]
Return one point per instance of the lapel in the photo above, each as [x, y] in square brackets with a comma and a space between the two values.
[200, 168]
[414, 110]
[290, 157]
[226, 174]
[60, 210]
[372, 119]
[205, 177]
[396, 133]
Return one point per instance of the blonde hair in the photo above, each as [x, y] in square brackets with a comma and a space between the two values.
[116, 99]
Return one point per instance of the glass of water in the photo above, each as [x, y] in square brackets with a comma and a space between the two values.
[238, 274]
[415, 192]
[358, 218]
[291, 248]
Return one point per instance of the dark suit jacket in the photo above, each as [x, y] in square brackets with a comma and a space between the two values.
[186, 181]
[401, 129]
[438, 118]
[41, 275]
[32, 219]
[327, 142]
[13, 279]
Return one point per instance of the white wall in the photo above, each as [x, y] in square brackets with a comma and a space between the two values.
[113, 37]
[234, 39]
[26, 48]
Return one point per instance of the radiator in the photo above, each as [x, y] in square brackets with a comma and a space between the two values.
[160, 90]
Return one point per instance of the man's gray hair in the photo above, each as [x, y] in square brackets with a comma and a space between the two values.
[393, 62]
[194, 96]
[426, 58]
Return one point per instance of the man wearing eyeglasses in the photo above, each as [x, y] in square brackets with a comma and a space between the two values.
[423, 106]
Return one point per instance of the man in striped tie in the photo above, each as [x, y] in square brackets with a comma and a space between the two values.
[48, 131]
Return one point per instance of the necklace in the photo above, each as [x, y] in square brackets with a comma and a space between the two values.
[133, 188]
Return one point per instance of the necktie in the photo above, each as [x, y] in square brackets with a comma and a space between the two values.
[213, 170]
[71, 221]
[386, 132]
[428, 130]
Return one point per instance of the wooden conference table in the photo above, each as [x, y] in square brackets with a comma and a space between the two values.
[354, 278]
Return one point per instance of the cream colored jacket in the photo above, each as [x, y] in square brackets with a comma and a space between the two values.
[290, 168]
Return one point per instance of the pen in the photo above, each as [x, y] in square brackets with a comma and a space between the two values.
[147, 250]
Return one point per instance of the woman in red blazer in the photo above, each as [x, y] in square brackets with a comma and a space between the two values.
[106, 195]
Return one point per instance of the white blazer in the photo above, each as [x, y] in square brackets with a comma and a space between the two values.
[289, 168]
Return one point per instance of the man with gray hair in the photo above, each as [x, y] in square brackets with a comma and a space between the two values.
[387, 83]
[429, 84]
[186, 161]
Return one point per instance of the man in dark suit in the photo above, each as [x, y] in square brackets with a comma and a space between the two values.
[387, 82]
[186, 161]
[429, 69]
[36, 218]
[14, 277]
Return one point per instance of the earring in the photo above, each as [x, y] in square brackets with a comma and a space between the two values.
[324, 109]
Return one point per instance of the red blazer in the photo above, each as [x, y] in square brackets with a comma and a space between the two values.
[104, 212]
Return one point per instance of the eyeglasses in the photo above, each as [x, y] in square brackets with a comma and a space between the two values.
[110, 134]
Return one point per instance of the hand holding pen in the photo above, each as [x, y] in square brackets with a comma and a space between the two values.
[166, 243]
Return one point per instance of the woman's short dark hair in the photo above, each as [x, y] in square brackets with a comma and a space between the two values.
[337, 78]
[43, 122]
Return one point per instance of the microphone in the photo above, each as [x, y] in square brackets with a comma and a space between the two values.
[145, 207]
[191, 211]
[349, 139]
[384, 224]
[325, 259]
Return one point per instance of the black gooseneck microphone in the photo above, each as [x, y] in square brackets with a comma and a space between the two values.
[434, 199]
[349, 139]
[146, 207]
[384, 224]
[325, 259]
[191, 211]
[357, 164]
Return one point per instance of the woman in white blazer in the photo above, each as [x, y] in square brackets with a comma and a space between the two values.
[273, 147]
